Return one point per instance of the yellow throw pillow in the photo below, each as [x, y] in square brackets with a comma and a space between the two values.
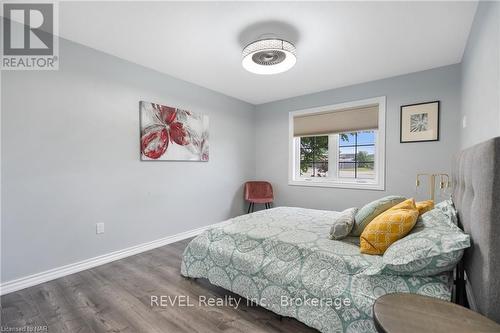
[424, 206]
[388, 227]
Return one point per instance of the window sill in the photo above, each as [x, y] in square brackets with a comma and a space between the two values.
[337, 184]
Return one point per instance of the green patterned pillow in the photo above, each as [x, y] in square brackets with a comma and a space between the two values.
[448, 208]
[435, 245]
[343, 223]
[371, 210]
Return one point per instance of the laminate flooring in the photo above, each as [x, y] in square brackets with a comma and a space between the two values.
[116, 297]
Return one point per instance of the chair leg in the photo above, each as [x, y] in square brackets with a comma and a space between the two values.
[249, 206]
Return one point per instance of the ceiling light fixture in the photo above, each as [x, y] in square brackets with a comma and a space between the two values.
[269, 56]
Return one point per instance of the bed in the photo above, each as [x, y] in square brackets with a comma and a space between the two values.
[476, 195]
[282, 259]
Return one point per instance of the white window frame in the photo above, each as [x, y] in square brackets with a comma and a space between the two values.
[294, 150]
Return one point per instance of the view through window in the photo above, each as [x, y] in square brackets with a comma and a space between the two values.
[314, 156]
[357, 155]
[352, 153]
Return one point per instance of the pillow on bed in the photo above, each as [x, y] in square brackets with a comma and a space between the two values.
[424, 206]
[388, 227]
[342, 224]
[448, 208]
[435, 245]
[371, 210]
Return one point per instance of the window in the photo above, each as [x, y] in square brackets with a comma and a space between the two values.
[314, 156]
[339, 146]
[357, 155]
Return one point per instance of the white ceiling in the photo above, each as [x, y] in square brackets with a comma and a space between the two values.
[338, 43]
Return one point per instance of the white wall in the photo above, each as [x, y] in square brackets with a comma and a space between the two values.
[481, 77]
[70, 158]
[403, 160]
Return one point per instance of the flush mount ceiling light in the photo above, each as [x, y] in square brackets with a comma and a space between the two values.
[269, 56]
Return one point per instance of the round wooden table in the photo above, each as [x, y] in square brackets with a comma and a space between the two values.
[403, 312]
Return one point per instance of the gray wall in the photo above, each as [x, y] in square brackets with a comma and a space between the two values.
[481, 77]
[403, 161]
[70, 158]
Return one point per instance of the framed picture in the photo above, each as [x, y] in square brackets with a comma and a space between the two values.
[420, 122]
[172, 134]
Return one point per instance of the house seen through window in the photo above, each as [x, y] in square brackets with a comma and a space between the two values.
[357, 155]
[354, 156]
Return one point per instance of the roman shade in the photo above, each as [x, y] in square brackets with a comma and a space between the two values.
[341, 121]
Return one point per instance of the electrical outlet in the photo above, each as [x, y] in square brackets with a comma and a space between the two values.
[99, 228]
[464, 121]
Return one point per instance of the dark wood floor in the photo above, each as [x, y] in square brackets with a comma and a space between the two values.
[116, 297]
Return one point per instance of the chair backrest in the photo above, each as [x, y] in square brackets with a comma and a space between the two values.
[258, 190]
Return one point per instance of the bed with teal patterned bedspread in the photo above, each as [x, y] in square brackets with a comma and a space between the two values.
[283, 260]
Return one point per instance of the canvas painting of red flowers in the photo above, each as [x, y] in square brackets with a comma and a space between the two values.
[172, 134]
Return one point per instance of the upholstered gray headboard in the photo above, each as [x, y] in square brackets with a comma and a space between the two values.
[476, 195]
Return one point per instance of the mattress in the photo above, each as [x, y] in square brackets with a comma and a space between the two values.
[283, 260]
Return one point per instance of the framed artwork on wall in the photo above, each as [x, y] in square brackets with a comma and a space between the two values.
[419, 122]
[172, 134]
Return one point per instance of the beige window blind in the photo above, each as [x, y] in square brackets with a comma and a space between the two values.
[357, 119]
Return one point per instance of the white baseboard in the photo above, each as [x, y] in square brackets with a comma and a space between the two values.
[51, 274]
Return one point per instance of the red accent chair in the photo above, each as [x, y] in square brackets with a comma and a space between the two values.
[258, 192]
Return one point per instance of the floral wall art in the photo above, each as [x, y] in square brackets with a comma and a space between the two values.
[172, 134]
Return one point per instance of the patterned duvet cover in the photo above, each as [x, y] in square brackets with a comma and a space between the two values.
[282, 259]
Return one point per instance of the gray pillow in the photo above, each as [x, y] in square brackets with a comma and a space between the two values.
[371, 210]
[343, 223]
